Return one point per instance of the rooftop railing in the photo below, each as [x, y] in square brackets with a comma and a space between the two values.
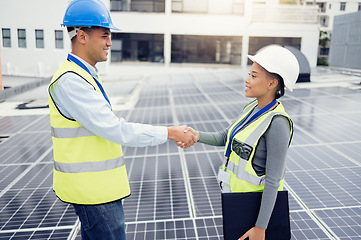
[298, 14]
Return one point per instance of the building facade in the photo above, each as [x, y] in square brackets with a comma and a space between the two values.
[328, 11]
[162, 31]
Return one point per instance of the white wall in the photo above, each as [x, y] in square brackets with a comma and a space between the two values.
[351, 6]
[45, 15]
[30, 15]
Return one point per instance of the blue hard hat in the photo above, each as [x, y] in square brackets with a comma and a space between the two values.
[88, 13]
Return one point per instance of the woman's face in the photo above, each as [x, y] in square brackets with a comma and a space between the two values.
[257, 84]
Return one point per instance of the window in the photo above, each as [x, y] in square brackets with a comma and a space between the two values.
[330, 6]
[324, 21]
[137, 47]
[59, 39]
[324, 51]
[256, 43]
[39, 38]
[138, 5]
[209, 6]
[342, 6]
[6, 37]
[206, 49]
[21, 38]
[322, 6]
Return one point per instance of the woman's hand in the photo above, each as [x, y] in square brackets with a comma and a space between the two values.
[254, 233]
[196, 135]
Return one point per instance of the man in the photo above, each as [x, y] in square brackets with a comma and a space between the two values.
[89, 170]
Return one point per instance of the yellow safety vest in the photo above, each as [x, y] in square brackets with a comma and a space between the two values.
[239, 170]
[87, 169]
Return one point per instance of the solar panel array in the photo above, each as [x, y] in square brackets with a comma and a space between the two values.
[175, 194]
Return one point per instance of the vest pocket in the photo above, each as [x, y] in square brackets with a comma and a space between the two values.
[243, 150]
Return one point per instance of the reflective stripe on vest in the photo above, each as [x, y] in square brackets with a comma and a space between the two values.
[71, 132]
[239, 172]
[88, 169]
[243, 175]
[251, 139]
[83, 167]
[255, 135]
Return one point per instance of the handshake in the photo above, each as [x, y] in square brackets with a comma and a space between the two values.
[183, 136]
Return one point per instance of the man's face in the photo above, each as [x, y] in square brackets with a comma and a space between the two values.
[98, 45]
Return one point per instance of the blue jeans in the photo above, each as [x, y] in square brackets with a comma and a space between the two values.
[103, 221]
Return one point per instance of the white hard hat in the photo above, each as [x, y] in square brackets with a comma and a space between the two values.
[277, 59]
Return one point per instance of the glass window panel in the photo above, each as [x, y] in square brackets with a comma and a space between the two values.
[59, 39]
[6, 32]
[116, 5]
[39, 34]
[342, 6]
[39, 38]
[256, 43]
[117, 44]
[6, 37]
[21, 38]
[198, 6]
[209, 6]
[138, 5]
[206, 49]
[22, 33]
[137, 47]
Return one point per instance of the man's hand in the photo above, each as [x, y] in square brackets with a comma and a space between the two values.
[196, 135]
[181, 134]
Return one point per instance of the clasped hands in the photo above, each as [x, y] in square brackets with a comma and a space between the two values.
[183, 136]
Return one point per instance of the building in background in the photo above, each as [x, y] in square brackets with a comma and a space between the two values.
[328, 10]
[161, 31]
[346, 41]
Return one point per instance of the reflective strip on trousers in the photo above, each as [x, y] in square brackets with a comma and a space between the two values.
[71, 132]
[89, 166]
[243, 175]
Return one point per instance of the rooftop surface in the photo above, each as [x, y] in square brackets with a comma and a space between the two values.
[175, 194]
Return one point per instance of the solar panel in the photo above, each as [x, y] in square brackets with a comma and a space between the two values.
[175, 193]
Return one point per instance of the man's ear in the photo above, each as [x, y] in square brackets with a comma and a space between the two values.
[81, 36]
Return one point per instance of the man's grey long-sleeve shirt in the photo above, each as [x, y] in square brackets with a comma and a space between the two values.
[269, 159]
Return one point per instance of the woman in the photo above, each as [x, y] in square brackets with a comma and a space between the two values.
[256, 144]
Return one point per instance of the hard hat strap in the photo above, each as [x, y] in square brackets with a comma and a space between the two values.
[73, 32]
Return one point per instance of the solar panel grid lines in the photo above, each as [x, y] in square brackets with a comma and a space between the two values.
[309, 212]
[20, 176]
[14, 124]
[223, 115]
[323, 164]
[348, 218]
[187, 184]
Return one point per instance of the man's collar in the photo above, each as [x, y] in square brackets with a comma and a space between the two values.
[93, 70]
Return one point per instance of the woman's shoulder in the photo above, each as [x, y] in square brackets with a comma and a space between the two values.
[279, 124]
